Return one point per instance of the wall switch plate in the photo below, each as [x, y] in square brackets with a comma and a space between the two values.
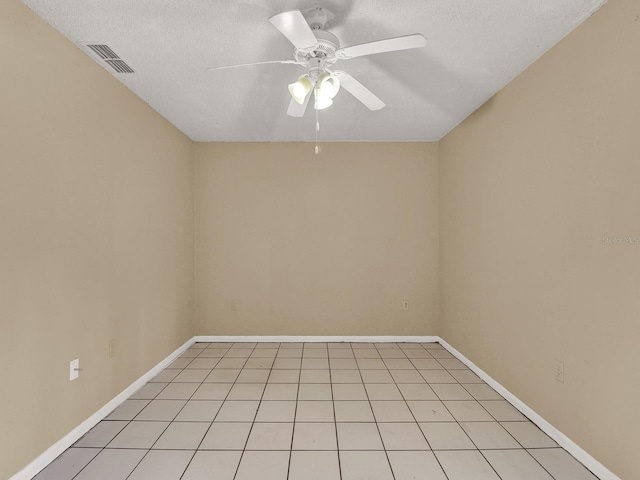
[559, 371]
[74, 369]
[405, 305]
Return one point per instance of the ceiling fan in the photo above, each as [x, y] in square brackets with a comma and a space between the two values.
[317, 50]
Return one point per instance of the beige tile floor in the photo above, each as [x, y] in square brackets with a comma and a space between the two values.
[315, 411]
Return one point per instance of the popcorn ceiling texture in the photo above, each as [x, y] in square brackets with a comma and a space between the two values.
[474, 48]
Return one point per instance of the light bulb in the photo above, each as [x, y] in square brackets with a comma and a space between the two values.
[300, 88]
[329, 84]
[322, 101]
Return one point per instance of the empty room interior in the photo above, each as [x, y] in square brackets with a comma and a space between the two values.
[256, 286]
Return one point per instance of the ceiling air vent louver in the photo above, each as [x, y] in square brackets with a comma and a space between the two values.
[110, 57]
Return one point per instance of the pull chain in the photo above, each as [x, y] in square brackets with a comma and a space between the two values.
[317, 130]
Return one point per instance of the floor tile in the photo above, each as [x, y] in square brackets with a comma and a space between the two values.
[446, 436]
[376, 376]
[314, 411]
[67, 465]
[284, 376]
[276, 411]
[166, 375]
[345, 376]
[127, 410]
[226, 436]
[415, 466]
[210, 465]
[465, 376]
[399, 364]
[138, 435]
[178, 391]
[294, 353]
[528, 435]
[489, 435]
[315, 391]
[402, 436]
[161, 410]
[264, 353]
[353, 411]
[437, 376]
[467, 411]
[180, 363]
[417, 391]
[281, 391]
[259, 363]
[213, 353]
[182, 436]
[162, 465]
[429, 411]
[223, 376]
[148, 392]
[407, 376]
[440, 353]
[227, 363]
[314, 436]
[503, 411]
[240, 353]
[383, 391]
[365, 465]
[561, 464]
[481, 391]
[451, 391]
[315, 376]
[270, 436]
[466, 465]
[315, 364]
[246, 391]
[212, 391]
[371, 364]
[101, 434]
[253, 375]
[315, 353]
[426, 364]
[343, 364]
[199, 411]
[349, 391]
[366, 353]
[111, 464]
[237, 411]
[358, 436]
[391, 411]
[189, 376]
[515, 464]
[263, 465]
[314, 466]
[204, 363]
[287, 363]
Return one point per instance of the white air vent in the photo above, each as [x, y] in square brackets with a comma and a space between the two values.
[111, 58]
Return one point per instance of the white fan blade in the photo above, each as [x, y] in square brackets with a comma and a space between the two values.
[389, 45]
[293, 26]
[297, 110]
[359, 91]
[251, 64]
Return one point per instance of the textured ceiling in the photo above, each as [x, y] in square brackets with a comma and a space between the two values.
[474, 48]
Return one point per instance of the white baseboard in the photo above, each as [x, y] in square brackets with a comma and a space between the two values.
[32, 469]
[55, 450]
[602, 472]
[310, 339]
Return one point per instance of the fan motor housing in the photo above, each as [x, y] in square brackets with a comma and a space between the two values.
[324, 50]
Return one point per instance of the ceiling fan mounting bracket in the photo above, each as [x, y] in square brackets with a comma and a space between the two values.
[317, 17]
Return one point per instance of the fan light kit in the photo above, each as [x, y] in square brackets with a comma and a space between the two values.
[317, 50]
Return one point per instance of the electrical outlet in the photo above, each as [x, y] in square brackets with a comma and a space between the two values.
[559, 371]
[405, 305]
[74, 369]
[234, 304]
[112, 348]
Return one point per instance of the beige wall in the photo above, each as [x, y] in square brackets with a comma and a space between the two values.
[530, 186]
[96, 236]
[316, 245]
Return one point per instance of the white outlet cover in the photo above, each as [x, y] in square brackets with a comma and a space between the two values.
[74, 369]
